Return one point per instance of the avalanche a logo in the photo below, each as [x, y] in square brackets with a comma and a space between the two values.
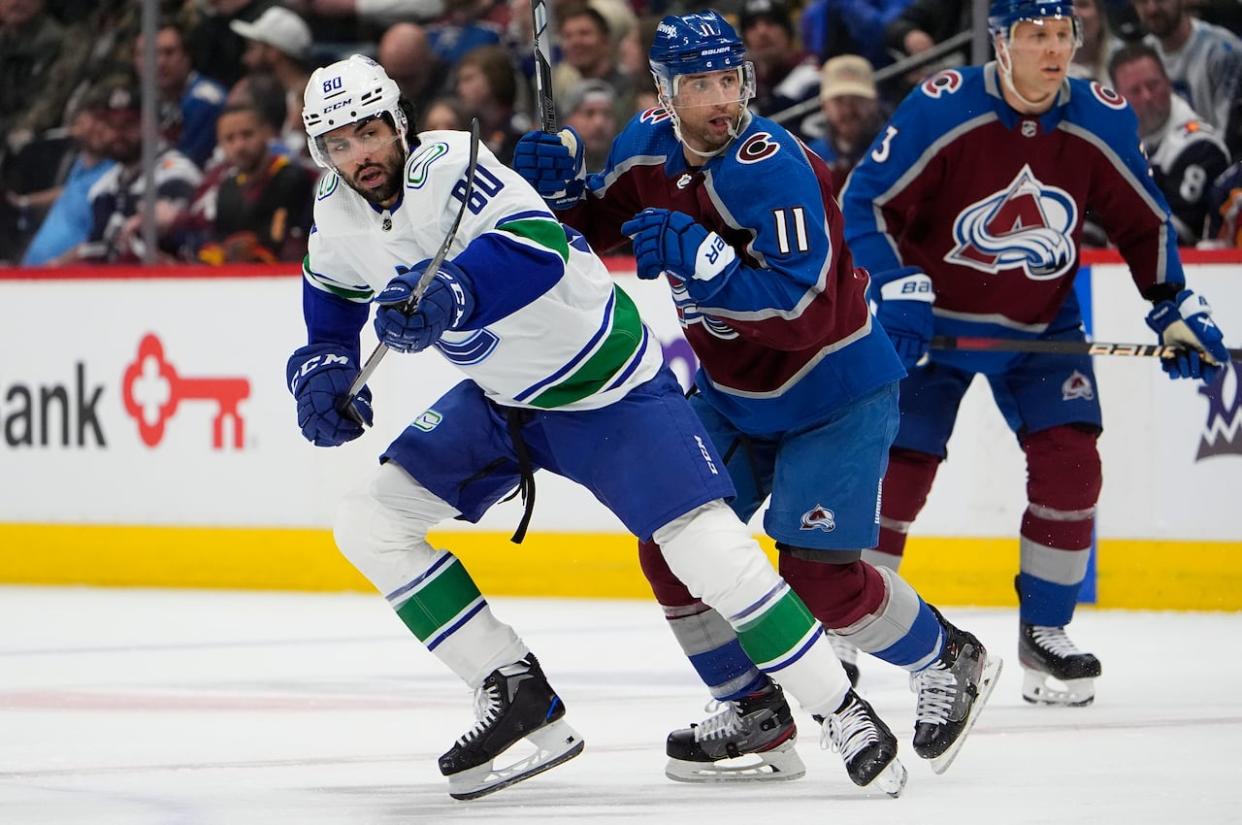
[1027, 225]
[819, 517]
[1222, 434]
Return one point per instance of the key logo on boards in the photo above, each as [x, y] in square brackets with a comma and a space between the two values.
[1028, 225]
[153, 390]
[1222, 434]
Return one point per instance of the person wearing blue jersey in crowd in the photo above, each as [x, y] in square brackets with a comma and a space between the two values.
[797, 385]
[968, 211]
[561, 375]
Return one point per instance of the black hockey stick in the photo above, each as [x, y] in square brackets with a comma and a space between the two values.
[973, 344]
[543, 66]
[347, 405]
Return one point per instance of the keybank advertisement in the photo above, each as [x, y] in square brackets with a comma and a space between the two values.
[162, 401]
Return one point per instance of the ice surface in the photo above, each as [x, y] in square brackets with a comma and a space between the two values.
[205, 708]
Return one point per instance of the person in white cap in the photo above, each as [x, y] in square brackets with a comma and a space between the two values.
[852, 111]
[279, 42]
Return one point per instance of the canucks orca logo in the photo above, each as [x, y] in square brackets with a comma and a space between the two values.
[1222, 434]
[1028, 225]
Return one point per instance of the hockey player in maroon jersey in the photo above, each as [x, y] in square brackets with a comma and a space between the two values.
[968, 212]
[796, 386]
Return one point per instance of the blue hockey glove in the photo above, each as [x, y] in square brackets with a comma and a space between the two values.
[672, 242]
[447, 304]
[319, 376]
[904, 301]
[1186, 322]
[554, 164]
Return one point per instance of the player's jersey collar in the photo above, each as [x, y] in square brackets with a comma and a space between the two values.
[1009, 117]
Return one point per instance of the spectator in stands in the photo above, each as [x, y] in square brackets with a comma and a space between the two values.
[590, 108]
[264, 92]
[852, 113]
[442, 113]
[101, 46]
[30, 41]
[925, 23]
[588, 53]
[486, 87]
[833, 27]
[215, 46]
[116, 198]
[1204, 63]
[405, 53]
[784, 74]
[462, 30]
[189, 102]
[1098, 42]
[632, 54]
[1186, 154]
[263, 208]
[68, 222]
[279, 43]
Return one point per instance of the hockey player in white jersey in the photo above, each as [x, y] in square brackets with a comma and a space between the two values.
[561, 375]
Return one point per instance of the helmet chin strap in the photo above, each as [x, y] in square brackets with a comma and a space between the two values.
[735, 129]
[1005, 61]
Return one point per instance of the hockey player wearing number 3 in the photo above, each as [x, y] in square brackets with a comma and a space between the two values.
[974, 198]
[797, 386]
[561, 375]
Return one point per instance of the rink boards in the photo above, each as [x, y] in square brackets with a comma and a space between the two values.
[148, 439]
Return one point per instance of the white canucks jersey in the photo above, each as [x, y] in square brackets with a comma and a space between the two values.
[556, 332]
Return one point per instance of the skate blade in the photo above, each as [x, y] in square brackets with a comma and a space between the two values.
[987, 682]
[779, 764]
[1041, 688]
[554, 745]
[891, 780]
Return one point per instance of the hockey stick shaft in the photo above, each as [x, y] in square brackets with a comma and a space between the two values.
[976, 344]
[543, 66]
[377, 355]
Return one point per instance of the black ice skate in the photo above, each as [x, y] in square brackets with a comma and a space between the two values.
[1055, 672]
[847, 653]
[951, 694]
[750, 739]
[514, 702]
[866, 745]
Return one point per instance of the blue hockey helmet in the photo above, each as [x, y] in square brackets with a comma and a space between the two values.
[696, 44]
[1003, 15]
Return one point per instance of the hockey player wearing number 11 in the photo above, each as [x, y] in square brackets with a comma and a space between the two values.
[562, 374]
[797, 387]
[974, 199]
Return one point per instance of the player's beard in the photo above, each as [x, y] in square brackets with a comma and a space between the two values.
[390, 166]
[709, 138]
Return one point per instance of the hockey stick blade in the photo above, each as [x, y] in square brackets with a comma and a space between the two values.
[543, 67]
[346, 407]
[977, 344]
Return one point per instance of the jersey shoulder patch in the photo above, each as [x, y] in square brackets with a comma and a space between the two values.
[418, 166]
[1103, 112]
[647, 133]
[327, 186]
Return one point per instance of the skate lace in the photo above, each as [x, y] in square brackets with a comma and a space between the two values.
[848, 732]
[486, 709]
[724, 723]
[937, 689]
[1054, 640]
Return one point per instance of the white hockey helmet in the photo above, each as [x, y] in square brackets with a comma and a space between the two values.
[348, 91]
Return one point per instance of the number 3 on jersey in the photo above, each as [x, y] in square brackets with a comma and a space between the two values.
[880, 153]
